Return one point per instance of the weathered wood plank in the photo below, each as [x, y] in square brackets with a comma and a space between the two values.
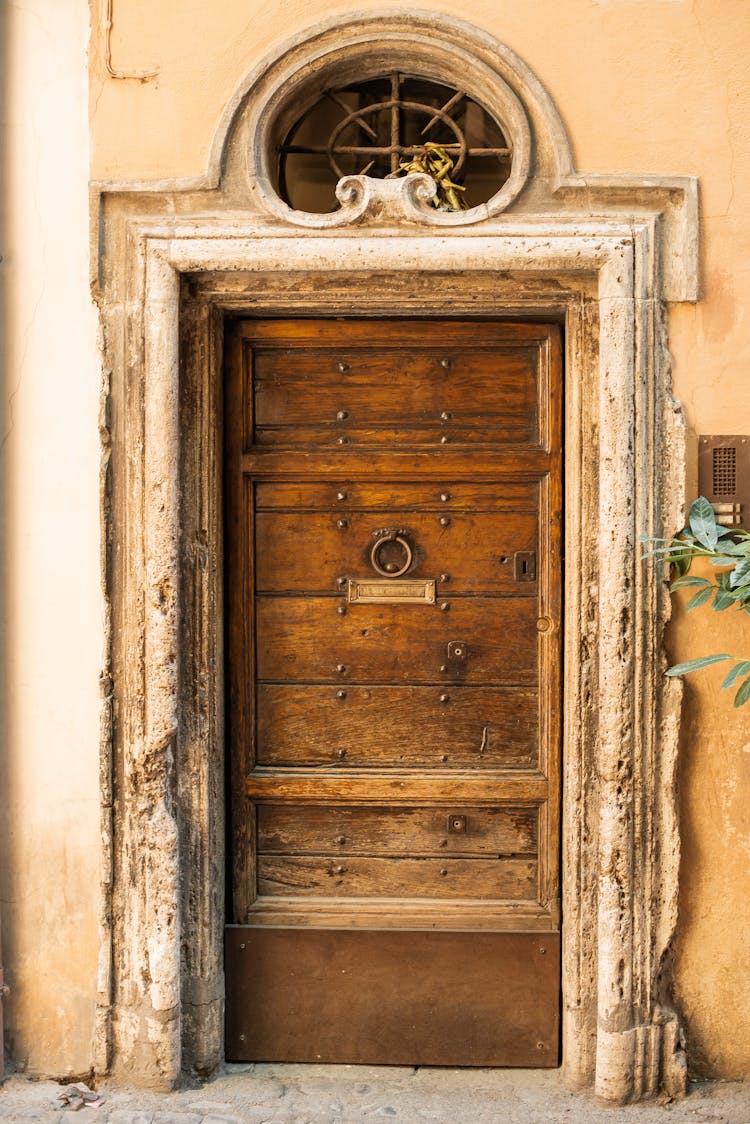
[405, 913]
[357, 876]
[309, 551]
[385, 727]
[457, 432]
[369, 333]
[419, 831]
[403, 495]
[394, 788]
[304, 639]
[341, 462]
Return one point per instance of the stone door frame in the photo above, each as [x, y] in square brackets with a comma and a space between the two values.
[173, 265]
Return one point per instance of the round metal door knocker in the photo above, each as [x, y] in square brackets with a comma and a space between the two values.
[391, 554]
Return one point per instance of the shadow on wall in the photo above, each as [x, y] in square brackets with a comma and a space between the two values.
[714, 780]
[5, 422]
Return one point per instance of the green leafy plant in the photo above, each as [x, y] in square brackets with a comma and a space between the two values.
[433, 160]
[728, 549]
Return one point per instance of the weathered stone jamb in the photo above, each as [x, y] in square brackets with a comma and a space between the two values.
[579, 834]
[200, 775]
[161, 524]
[608, 367]
[102, 1029]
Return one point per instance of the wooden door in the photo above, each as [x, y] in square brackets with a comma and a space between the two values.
[393, 598]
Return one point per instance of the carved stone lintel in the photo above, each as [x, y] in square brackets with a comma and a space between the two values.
[405, 199]
[386, 202]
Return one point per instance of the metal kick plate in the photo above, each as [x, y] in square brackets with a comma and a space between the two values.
[372, 591]
[392, 997]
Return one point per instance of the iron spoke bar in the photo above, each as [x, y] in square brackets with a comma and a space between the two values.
[347, 109]
[386, 150]
[395, 120]
[449, 105]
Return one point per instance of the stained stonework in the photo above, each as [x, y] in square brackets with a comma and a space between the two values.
[599, 256]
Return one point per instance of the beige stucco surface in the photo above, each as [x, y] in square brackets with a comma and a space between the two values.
[50, 642]
[659, 87]
[643, 86]
[712, 953]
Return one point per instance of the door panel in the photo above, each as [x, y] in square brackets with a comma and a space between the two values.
[404, 495]
[394, 395]
[393, 598]
[413, 852]
[307, 639]
[419, 831]
[307, 551]
[489, 727]
[495, 989]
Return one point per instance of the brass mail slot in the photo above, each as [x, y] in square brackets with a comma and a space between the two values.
[370, 591]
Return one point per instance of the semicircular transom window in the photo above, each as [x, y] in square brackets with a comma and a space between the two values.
[378, 126]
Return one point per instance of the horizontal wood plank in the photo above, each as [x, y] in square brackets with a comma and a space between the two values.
[344, 831]
[390, 436]
[385, 727]
[309, 551]
[303, 639]
[403, 495]
[396, 788]
[358, 876]
[475, 914]
[372, 332]
[339, 462]
[480, 380]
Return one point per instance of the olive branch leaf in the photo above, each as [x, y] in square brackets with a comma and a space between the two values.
[728, 549]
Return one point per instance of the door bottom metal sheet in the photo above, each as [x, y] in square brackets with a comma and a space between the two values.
[395, 997]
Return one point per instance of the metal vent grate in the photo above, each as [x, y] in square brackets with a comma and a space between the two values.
[724, 477]
[725, 470]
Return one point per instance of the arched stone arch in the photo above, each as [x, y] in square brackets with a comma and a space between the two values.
[392, 37]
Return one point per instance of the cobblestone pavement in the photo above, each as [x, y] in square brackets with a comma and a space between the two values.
[298, 1094]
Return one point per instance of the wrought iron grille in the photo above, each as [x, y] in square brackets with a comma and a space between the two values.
[372, 127]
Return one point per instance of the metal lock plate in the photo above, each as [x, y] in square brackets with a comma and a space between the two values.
[524, 566]
[457, 824]
[458, 651]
